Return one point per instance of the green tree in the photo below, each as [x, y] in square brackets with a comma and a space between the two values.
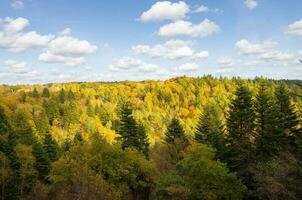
[199, 176]
[132, 134]
[45, 93]
[268, 136]
[70, 95]
[8, 141]
[42, 163]
[241, 129]
[35, 93]
[209, 129]
[51, 147]
[176, 140]
[23, 126]
[51, 108]
[41, 121]
[62, 96]
[287, 118]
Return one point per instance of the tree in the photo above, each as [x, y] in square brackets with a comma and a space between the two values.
[35, 93]
[8, 141]
[287, 118]
[199, 176]
[241, 128]
[268, 136]
[132, 134]
[50, 147]
[52, 110]
[45, 93]
[209, 129]
[24, 126]
[62, 96]
[70, 95]
[42, 163]
[71, 114]
[41, 121]
[176, 140]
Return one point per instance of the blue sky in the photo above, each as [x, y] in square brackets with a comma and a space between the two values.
[63, 40]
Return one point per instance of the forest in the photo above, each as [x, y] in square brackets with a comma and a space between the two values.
[185, 138]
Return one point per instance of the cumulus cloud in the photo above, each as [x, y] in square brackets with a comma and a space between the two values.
[251, 4]
[277, 56]
[203, 29]
[202, 9]
[172, 49]
[17, 5]
[246, 47]
[67, 50]
[266, 51]
[18, 67]
[165, 10]
[188, 67]
[12, 37]
[295, 28]
[129, 63]
[225, 61]
[66, 31]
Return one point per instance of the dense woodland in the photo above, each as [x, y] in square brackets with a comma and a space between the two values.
[185, 138]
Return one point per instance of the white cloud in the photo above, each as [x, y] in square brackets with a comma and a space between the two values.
[15, 64]
[67, 50]
[277, 56]
[172, 49]
[67, 61]
[128, 63]
[66, 31]
[125, 63]
[266, 51]
[18, 67]
[188, 67]
[203, 29]
[247, 47]
[202, 9]
[14, 25]
[225, 70]
[295, 28]
[225, 61]
[300, 52]
[251, 4]
[13, 39]
[70, 46]
[17, 5]
[165, 10]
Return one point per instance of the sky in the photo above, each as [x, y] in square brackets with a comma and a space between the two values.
[43, 41]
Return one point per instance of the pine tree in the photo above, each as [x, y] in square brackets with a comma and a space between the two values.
[70, 95]
[176, 140]
[90, 110]
[287, 118]
[62, 96]
[51, 108]
[41, 121]
[23, 127]
[132, 134]
[35, 93]
[42, 163]
[241, 127]
[209, 130]
[175, 131]
[45, 93]
[50, 147]
[8, 143]
[78, 138]
[97, 109]
[268, 136]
